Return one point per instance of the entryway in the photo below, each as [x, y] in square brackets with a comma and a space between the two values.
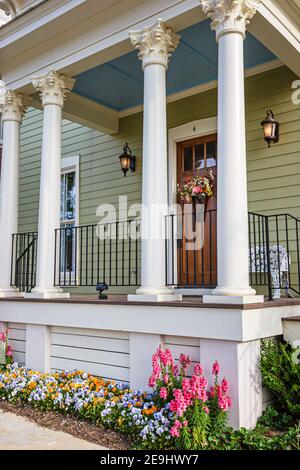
[197, 263]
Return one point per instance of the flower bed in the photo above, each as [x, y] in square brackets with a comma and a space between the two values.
[181, 412]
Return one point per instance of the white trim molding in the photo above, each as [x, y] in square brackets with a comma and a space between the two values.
[188, 131]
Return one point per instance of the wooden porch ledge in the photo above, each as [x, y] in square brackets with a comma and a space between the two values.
[297, 318]
[192, 302]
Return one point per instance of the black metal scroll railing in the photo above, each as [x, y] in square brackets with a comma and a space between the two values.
[274, 253]
[23, 264]
[111, 253]
[88, 254]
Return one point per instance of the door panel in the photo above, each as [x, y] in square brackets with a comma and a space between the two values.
[197, 263]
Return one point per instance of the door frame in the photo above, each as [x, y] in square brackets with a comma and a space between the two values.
[189, 131]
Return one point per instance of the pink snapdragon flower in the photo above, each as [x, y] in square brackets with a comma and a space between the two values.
[165, 357]
[9, 351]
[174, 431]
[216, 368]
[224, 386]
[224, 403]
[163, 393]
[3, 335]
[184, 361]
[198, 369]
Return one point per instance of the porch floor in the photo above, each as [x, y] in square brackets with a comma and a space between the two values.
[188, 301]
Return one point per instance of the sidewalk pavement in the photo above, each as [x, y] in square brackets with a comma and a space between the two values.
[18, 433]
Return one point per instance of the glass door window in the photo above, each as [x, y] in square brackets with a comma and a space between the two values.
[67, 220]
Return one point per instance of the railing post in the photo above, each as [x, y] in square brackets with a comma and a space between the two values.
[270, 290]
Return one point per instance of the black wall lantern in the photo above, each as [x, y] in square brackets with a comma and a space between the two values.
[271, 128]
[127, 160]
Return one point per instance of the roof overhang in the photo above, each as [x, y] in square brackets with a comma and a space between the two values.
[73, 36]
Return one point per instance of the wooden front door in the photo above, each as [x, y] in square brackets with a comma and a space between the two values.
[198, 267]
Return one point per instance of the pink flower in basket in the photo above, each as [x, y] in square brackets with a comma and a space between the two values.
[197, 190]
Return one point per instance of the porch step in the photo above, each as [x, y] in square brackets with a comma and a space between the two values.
[291, 330]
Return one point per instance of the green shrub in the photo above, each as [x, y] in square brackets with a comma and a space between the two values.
[281, 374]
[272, 440]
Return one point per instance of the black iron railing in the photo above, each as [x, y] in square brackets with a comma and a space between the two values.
[23, 265]
[111, 253]
[274, 253]
[191, 249]
[89, 254]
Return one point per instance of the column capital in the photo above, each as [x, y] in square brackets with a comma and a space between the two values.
[155, 43]
[53, 87]
[12, 104]
[229, 15]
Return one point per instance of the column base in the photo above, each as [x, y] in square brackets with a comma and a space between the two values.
[162, 294]
[10, 292]
[39, 293]
[234, 291]
[233, 299]
[154, 298]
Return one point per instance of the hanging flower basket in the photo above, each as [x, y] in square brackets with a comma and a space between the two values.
[197, 190]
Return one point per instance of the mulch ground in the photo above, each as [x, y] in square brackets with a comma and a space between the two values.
[69, 424]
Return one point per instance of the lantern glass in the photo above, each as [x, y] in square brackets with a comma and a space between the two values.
[125, 162]
[270, 128]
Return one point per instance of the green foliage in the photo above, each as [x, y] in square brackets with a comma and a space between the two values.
[281, 374]
[270, 440]
[274, 419]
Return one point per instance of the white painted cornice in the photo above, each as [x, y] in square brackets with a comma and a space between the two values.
[286, 12]
[11, 7]
[92, 41]
[41, 14]
[280, 33]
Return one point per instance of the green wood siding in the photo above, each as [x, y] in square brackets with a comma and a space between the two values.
[273, 174]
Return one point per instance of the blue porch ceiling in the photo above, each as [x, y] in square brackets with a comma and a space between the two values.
[118, 84]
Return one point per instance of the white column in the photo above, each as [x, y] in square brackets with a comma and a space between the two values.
[53, 89]
[239, 363]
[155, 46]
[142, 346]
[229, 19]
[38, 348]
[12, 106]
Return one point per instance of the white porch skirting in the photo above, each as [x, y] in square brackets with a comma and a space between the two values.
[117, 342]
